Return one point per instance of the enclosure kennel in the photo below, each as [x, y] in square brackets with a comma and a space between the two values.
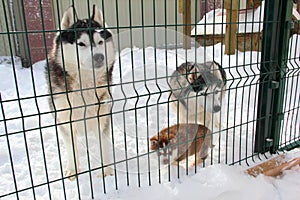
[259, 115]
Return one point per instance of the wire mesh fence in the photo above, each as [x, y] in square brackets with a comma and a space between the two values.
[144, 91]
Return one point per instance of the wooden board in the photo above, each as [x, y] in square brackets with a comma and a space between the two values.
[245, 41]
[274, 166]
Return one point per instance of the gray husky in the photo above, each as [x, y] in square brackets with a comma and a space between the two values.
[79, 74]
[197, 92]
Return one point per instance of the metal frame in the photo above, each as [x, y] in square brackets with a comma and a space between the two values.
[274, 113]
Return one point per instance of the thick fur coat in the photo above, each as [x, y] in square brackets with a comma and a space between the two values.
[79, 75]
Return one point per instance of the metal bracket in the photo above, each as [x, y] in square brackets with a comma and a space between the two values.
[280, 116]
[274, 85]
[290, 25]
[269, 142]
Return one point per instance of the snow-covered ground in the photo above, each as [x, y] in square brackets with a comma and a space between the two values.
[30, 156]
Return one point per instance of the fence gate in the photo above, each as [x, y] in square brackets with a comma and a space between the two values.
[277, 80]
[247, 103]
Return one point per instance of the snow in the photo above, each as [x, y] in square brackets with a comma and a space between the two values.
[213, 22]
[38, 148]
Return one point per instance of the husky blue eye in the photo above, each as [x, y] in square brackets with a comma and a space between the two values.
[81, 44]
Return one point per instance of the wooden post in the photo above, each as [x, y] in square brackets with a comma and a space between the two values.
[298, 6]
[231, 7]
[185, 9]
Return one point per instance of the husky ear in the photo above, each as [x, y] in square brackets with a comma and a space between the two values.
[97, 15]
[68, 18]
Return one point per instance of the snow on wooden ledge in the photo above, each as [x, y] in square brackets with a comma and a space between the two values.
[214, 22]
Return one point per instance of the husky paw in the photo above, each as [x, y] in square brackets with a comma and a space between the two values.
[70, 173]
[107, 172]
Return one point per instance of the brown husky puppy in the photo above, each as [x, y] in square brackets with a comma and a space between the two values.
[177, 142]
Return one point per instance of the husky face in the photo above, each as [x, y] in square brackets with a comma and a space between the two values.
[165, 147]
[199, 86]
[84, 43]
[207, 83]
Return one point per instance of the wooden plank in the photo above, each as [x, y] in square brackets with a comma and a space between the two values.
[5, 48]
[186, 20]
[245, 41]
[274, 166]
[180, 6]
[231, 7]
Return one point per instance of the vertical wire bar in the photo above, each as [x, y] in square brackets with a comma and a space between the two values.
[74, 141]
[235, 111]
[213, 132]
[195, 49]
[251, 82]
[8, 146]
[237, 23]
[166, 64]
[137, 95]
[224, 98]
[155, 61]
[287, 106]
[254, 121]
[149, 93]
[229, 91]
[111, 99]
[204, 60]
[98, 100]
[254, 124]
[123, 92]
[17, 92]
[286, 109]
[295, 75]
[176, 63]
[37, 106]
[220, 114]
[228, 99]
[70, 106]
[246, 78]
[186, 46]
[54, 107]
[290, 110]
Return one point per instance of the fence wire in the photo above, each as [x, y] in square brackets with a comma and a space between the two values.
[169, 69]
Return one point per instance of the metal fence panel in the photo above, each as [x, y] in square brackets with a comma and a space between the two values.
[248, 102]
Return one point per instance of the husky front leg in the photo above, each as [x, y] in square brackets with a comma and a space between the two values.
[68, 136]
[105, 142]
[105, 146]
[72, 153]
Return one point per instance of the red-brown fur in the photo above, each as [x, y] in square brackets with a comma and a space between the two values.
[197, 136]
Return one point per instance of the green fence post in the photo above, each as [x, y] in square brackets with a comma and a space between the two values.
[276, 32]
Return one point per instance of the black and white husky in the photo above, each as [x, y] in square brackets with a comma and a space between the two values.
[79, 74]
[197, 92]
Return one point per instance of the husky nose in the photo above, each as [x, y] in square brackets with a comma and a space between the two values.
[217, 108]
[98, 58]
